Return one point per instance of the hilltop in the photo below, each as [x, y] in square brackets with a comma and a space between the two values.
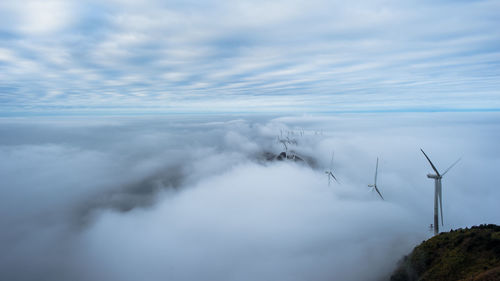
[462, 254]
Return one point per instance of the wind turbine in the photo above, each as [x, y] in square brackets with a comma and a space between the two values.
[374, 185]
[284, 143]
[437, 192]
[330, 173]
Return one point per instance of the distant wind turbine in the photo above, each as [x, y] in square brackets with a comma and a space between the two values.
[330, 173]
[283, 142]
[374, 185]
[437, 192]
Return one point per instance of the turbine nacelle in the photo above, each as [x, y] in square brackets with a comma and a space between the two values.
[433, 176]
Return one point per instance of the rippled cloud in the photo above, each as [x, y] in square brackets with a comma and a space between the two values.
[178, 56]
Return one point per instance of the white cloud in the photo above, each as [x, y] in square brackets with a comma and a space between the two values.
[190, 197]
[253, 222]
[42, 17]
[314, 55]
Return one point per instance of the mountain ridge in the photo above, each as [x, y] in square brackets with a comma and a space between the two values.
[462, 254]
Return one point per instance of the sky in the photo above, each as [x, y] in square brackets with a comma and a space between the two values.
[194, 198]
[146, 57]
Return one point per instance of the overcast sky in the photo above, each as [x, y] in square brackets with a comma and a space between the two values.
[73, 57]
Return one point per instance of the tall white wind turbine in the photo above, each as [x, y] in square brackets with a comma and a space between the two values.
[437, 192]
[374, 185]
[329, 173]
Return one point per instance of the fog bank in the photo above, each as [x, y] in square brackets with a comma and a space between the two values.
[195, 197]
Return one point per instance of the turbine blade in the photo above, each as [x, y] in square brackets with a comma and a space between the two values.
[441, 204]
[334, 177]
[376, 189]
[376, 170]
[430, 162]
[451, 166]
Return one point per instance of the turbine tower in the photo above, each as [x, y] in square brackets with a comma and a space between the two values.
[285, 146]
[374, 185]
[330, 173]
[437, 192]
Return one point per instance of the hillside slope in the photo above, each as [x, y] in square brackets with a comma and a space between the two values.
[463, 254]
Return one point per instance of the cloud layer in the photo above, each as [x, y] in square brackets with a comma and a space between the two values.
[189, 198]
[126, 56]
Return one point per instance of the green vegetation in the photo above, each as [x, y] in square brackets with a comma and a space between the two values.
[462, 254]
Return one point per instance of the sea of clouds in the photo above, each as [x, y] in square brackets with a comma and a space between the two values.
[195, 197]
